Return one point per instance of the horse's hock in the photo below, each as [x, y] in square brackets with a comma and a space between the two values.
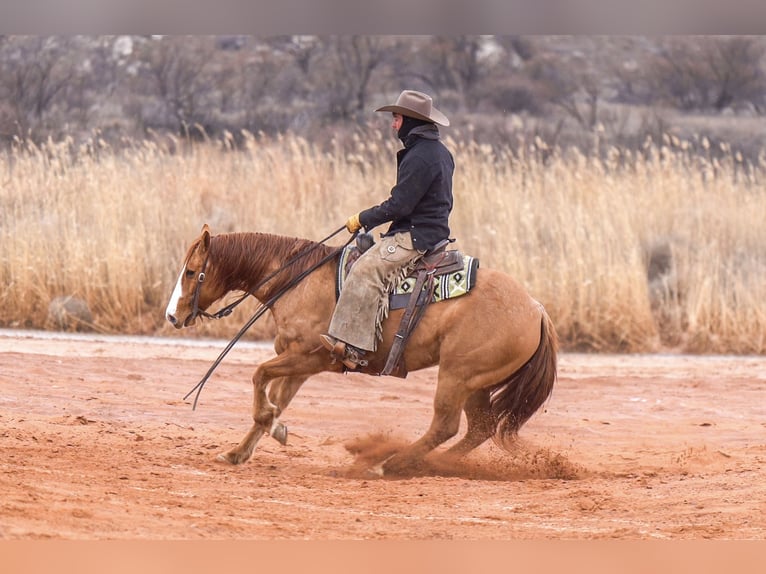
[69, 313]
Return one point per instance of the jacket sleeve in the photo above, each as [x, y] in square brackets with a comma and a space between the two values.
[413, 180]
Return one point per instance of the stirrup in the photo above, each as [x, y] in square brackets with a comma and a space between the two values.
[352, 358]
[349, 355]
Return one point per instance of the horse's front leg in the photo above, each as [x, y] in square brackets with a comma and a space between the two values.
[281, 392]
[264, 412]
[280, 372]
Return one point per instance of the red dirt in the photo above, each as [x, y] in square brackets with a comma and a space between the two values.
[97, 443]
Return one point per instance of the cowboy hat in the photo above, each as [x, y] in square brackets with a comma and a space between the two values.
[416, 105]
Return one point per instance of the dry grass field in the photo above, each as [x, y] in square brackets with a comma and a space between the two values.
[663, 250]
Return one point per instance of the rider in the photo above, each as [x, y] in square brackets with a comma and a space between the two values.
[418, 209]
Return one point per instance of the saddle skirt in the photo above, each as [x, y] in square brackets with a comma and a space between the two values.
[454, 276]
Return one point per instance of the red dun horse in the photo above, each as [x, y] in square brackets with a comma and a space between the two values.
[496, 346]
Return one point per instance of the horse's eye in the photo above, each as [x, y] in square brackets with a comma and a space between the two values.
[189, 273]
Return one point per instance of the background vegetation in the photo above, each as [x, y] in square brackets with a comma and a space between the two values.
[558, 88]
[620, 179]
[635, 253]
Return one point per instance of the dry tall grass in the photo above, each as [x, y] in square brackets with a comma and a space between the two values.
[664, 250]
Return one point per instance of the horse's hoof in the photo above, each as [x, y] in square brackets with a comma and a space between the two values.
[229, 458]
[279, 432]
[378, 471]
[399, 465]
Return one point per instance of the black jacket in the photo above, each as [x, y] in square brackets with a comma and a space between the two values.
[421, 200]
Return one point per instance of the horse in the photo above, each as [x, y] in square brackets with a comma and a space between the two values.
[496, 347]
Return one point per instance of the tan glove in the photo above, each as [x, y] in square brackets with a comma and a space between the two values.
[353, 223]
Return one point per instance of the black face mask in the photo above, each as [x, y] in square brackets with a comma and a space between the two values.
[408, 124]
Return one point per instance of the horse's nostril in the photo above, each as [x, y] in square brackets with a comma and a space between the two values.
[172, 319]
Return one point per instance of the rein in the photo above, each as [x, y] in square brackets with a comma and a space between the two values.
[226, 311]
[263, 307]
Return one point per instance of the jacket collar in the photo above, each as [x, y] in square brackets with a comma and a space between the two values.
[429, 132]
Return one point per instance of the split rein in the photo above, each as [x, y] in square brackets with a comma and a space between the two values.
[226, 311]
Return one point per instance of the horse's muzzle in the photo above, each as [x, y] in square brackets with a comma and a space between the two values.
[175, 322]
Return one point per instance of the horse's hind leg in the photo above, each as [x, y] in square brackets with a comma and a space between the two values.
[448, 404]
[480, 423]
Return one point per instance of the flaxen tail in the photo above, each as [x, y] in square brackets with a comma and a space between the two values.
[514, 400]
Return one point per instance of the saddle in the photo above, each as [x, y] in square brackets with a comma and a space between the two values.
[428, 281]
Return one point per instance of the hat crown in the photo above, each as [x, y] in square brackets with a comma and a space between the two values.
[416, 101]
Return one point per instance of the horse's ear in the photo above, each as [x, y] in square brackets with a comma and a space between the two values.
[205, 236]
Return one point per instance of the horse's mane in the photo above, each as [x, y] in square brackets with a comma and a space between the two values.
[247, 255]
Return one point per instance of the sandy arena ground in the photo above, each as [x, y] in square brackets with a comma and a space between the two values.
[97, 443]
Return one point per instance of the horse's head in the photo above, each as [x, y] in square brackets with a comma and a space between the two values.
[194, 291]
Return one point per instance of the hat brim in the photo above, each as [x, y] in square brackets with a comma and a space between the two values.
[436, 116]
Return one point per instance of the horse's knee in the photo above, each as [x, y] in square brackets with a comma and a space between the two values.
[264, 417]
[264, 411]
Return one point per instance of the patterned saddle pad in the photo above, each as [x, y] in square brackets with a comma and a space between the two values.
[447, 285]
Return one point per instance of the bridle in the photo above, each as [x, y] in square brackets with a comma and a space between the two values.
[225, 311]
[195, 311]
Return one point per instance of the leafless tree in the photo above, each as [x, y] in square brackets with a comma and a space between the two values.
[736, 65]
[177, 69]
[454, 63]
[572, 87]
[36, 72]
[710, 72]
[521, 46]
[303, 50]
[256, 92]
[346, 71]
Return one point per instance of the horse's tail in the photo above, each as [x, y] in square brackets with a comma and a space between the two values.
[514, 400]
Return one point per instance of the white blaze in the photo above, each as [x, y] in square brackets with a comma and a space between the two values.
[177, 292]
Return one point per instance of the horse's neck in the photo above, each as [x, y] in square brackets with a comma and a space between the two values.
[245, 260]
